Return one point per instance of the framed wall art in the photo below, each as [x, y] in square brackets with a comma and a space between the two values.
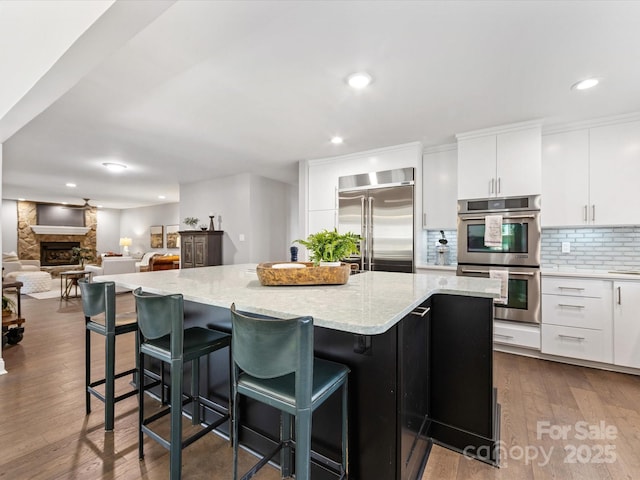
[157, 236]
[173, 237]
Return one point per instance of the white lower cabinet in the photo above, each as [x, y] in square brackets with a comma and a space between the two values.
[577, 318]
[582, 343]
[626, 324]
[516, 334]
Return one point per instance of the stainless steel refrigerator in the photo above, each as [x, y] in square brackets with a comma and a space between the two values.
[379, 207]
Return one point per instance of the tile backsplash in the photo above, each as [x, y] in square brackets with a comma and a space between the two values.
[430, 238]
[596, 248]
[593, 248]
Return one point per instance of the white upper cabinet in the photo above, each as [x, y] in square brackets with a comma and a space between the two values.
[565, 179]
[477, 167]
[501, 162]
[440, 189]
[590, 176]
[615, 174]
[323, 186]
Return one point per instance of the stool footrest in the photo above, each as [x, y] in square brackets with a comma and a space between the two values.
[264, 460]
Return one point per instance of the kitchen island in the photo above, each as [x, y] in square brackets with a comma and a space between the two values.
[419, 347]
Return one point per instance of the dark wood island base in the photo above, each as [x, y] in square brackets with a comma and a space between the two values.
[428, 378]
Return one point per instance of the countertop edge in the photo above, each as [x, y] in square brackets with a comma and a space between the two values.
[596, 274]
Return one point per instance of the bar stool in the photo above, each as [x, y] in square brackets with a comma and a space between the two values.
[163, 337]
[99, 308]
[273, 363]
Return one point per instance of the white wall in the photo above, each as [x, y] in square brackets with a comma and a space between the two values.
[108, 230]
[9, 226]
[2, 369]
[136, 222]
[248, 205]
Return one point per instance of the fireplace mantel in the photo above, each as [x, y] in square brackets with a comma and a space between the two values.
[55, 230]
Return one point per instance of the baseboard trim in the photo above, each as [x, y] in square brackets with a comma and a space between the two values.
[527, 352]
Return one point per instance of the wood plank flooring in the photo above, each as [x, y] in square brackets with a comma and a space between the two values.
[45, 434]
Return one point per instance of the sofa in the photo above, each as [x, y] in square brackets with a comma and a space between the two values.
[112, 266]
[164, 262]
[143, 264]
[12, 266]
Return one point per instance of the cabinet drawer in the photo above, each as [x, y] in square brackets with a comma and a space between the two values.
[508, 333]
[576, 287]
[577, 343]
[571, 311]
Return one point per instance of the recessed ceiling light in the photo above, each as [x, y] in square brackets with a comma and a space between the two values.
[161, 197]
[21, 199]
[359, 80]
[71, 185]
[585, 84]
[337, 140]
[115, 167]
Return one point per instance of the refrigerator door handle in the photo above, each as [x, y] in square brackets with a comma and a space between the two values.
[370, 232]
[363, 233]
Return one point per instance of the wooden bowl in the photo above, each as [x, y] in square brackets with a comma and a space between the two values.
[309, 275]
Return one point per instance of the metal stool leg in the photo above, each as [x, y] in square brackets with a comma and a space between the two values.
[285, 437]
[175, 450]
[303, 444]
[109, 386]
[87, 369]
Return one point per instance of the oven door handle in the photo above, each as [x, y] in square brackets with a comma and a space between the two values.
[511, 272]
[504, 217]
[464, 270]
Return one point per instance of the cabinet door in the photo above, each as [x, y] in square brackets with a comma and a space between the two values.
[626, 324]
[518, 163]
[615, 170]
[186, 247]
[565, 178]
[323, 184]
[477, 167]
[200, 251]
[440, 190]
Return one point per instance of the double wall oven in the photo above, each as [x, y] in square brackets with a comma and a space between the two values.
[518, 254]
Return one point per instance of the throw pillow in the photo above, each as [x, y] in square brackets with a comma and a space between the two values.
[10, 257]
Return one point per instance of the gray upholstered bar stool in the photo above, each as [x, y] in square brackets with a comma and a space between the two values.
[273, 363]
[163, 337]
[99, 308]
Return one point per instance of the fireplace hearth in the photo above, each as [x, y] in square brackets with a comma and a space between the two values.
[57, 253]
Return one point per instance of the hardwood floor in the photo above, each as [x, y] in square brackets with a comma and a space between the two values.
[45, 434]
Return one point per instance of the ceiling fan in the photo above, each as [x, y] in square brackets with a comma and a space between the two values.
[86, 206]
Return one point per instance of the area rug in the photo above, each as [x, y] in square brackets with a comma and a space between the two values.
[54, 293]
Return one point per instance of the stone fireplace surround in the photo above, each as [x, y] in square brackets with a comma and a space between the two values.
[29, 241]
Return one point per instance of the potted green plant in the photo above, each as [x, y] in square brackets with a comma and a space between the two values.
[8, 306]
[191, 222]
[329, 247]
[82, 254]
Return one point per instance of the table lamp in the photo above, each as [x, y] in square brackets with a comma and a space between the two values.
[125, 243]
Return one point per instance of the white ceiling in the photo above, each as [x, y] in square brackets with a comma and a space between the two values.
[204, 89]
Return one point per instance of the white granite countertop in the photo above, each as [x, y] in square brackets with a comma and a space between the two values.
[586, 273]
[370, 303]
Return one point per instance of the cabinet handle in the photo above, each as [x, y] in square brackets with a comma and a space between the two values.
[465, 270]
[619, 295]
[499, 185]
[422, 313]
[572, 337]
[585, 214]
[424, 220]
[491, 188]
[526, 274]
[503, 336]
[570, 306]
[593, 213]
[571, 288]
